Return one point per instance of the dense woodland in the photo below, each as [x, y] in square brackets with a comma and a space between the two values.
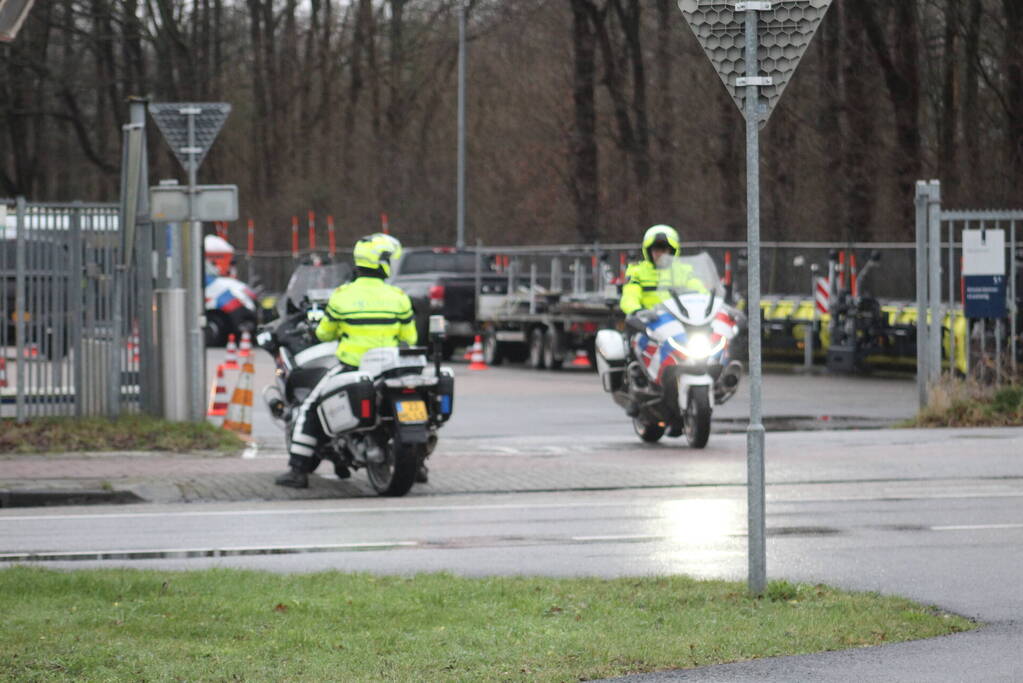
[587, 119]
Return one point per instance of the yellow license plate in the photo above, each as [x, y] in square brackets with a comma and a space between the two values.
[411, 411]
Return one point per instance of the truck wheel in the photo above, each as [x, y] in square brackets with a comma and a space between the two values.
[492, 352]
[536, 344]
[552, 349]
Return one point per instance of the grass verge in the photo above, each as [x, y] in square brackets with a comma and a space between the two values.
[129, 433]
[967, 403]
[236, 625]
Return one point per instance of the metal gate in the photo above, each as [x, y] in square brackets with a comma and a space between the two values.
[77, 338]
[986, 348]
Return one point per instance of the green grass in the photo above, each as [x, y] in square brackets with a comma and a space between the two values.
[233, 625]
[130, 433]
[967, 403]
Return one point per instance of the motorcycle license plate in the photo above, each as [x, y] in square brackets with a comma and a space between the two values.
[410, 411]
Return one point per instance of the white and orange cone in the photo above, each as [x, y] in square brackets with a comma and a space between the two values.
[477, 355]
[239, 412]
[231, 362]
[581, 360]
[245, 350]
[218, 399]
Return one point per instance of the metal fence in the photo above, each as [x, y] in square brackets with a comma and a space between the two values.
[77, 334]
[782, 272]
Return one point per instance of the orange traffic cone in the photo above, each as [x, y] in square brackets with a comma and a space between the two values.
[477, 355]
[3, 371]
[218, 399]
[231, 363]
[581, 360]
[245, 350]
[239, 413]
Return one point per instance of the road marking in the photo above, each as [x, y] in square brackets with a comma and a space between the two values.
[624, 537]
[318, 511]
[975, 527]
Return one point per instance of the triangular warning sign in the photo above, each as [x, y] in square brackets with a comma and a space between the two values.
[172, 120]
[785, 31]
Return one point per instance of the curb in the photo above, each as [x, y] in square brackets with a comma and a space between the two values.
[44, 498]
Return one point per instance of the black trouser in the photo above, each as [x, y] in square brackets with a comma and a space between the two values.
[306, 431]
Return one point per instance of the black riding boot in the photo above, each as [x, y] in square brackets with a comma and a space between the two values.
[293, 478]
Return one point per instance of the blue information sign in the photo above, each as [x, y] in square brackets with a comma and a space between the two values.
[985, 296]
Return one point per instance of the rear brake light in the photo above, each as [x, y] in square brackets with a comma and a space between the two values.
[436, 295]
[367, 408]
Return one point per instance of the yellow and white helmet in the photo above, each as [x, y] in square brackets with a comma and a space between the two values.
[377, 251]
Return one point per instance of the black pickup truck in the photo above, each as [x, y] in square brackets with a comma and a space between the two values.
[442, 281]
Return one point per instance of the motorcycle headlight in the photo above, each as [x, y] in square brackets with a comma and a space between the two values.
[699, 346]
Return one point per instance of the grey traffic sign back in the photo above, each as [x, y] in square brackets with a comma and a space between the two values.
[172, 120]
[785, 30]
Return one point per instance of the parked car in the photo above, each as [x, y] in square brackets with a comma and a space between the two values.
[442, 281]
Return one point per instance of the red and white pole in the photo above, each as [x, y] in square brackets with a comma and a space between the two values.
[385, 224]
[251, 237]
[312, 231]
[331, 241]
[294, 236]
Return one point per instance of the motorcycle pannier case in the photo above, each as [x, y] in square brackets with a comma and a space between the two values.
[610, 358]
[445, 394]
[348, 402]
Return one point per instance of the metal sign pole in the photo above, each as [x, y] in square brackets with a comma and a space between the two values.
[755, 432]
[194, 285]
[460, 241]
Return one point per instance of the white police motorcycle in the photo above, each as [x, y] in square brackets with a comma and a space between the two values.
[384, 416]
[673, 363]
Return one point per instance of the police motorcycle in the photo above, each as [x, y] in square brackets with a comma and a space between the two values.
[382, 417]
[674, 360]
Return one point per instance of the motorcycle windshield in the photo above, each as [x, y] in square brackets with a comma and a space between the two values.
[681, 275]
[312, 284]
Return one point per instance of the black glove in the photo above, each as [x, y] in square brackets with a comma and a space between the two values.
[641, 319]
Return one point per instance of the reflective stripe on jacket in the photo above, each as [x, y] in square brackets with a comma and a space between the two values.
[365, 314]
[646, 286]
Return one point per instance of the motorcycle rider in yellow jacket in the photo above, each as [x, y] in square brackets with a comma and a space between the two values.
[364, 314]
[648, 282]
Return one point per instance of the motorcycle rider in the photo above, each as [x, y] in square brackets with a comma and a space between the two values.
[363, 314]
[648, 281]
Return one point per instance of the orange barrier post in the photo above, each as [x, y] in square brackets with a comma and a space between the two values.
[331, 242]
[312, 231]
[477, 355]
[294, 237]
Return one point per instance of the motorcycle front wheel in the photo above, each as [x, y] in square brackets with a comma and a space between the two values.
[650, 433]
[698, 417]
[394, 475]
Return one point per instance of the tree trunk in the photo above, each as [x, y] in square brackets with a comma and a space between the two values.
[583, 142]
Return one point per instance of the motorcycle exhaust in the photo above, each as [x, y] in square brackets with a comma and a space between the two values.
[731, 375]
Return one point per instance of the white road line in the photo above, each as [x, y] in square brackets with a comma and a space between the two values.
[636, 537]
[975, 527]
[316, 511]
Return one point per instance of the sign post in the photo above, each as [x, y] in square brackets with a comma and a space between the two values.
[190, 129]
[755, 82]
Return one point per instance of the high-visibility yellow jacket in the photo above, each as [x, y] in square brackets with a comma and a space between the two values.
[646, 285]
[365, 314]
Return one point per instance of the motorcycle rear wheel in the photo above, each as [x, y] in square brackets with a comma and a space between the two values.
[395, 475]
[650, 433]
[698, 417]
